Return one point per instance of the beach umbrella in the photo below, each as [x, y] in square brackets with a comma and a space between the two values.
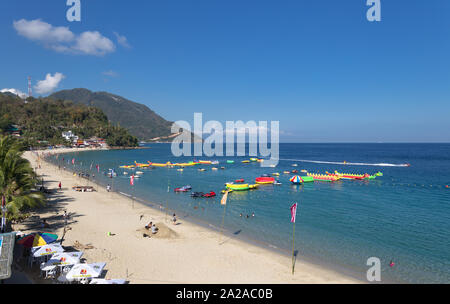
[81, 271]
[108, 282]
[47, 250]
[64, 258]
[37, 239]
[296, 179]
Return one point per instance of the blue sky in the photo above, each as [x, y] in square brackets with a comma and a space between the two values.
[319, 67]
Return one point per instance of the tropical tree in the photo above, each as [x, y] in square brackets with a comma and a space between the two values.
[17, 179]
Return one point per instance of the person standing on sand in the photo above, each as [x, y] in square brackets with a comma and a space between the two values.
[60, 185]
[174, 219]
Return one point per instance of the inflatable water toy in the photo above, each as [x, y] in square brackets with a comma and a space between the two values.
[253, 187]
[265, 180]
[286, 172]
[238, 187]
[142, 165]
[260, 160]
[161, 165]
[139, 172]
[191, 164]
[297, 180]
[205, 162]
[245, 161]
[215, 169]
[324, 178]
[304, 171]
[127, 167]
[230, 161]
[276, 174]
[216, 162]
[253, 159]
[239, 180]
[225, 191]
[278, 183]
[294, 171]
[355, 176]
[180, 170]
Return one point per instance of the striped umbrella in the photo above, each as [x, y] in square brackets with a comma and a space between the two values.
[296, 179]
[37, 239]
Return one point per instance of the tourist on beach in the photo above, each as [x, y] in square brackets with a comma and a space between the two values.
[392, 264]
[60, 185]
[108, 188]
[154, 229]
[149, 226]
[174, 219]
[45, 224]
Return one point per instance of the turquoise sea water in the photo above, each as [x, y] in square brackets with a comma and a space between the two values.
[403, 216]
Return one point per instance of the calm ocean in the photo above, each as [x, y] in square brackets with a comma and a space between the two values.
[403, 216]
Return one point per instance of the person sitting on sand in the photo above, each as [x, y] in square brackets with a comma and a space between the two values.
[149, 226]
[45, 224]
[154, 229]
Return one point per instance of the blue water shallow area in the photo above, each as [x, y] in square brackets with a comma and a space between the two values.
[403, 216]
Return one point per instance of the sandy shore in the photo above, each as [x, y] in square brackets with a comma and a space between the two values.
[183, 253]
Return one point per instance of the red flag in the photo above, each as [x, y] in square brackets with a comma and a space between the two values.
[293, 212]
[132, 180]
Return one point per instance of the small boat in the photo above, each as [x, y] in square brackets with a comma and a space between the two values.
[215, 169]
[180, 170]
[260, 160]
[230, 161]
[216, 162]
[139, 173]
[304, 171]
[276, 174]
[183, 189]
[287, 172]
[253, 159]
[125, 173]
[210, 194]
[278, 183]
[294, 171]
[239, 180]
[294, 165]
[222, 168]
[197, 194]
[245, 161]
[202, 170]
[265, 180]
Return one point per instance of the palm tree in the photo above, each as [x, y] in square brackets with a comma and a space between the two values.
[17, 179]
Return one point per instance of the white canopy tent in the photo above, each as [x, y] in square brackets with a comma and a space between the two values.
[108, 282]
[64, 258]
[47, 250]
[82, 271]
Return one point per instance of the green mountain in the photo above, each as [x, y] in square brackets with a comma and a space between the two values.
[138, 119]
[44, 120]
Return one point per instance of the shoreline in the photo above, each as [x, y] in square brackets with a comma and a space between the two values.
[247, 261]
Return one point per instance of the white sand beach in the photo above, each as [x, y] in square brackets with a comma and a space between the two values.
[184, 253]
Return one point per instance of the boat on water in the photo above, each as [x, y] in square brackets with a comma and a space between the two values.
[183, 189]
[139, 172]
[216, 162]
[323, 177]
[245, 161]
[265, 180]
[230, 161]
[276, 174]
[253, 159]
[197, 194]
[202, 170]
[210, 194]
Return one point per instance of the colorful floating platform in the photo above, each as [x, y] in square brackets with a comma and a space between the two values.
[265, 180]
[323, 178]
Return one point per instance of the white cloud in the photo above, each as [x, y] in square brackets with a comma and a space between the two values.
[111, 73]
[122, 40]
[15, 92]
[49, 84]
[61, 39]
